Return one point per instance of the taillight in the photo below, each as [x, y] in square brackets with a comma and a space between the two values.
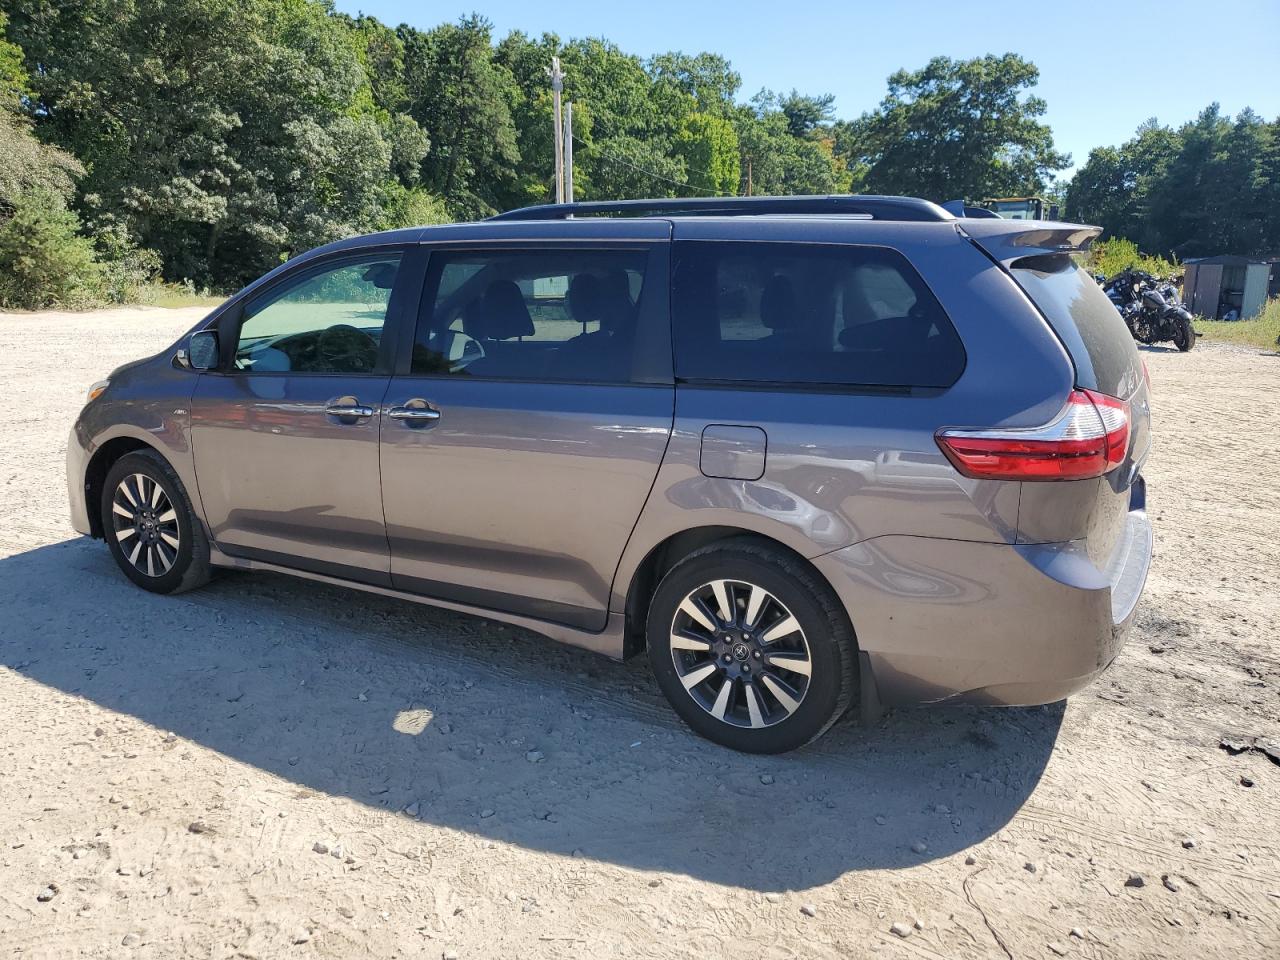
[1088, 438]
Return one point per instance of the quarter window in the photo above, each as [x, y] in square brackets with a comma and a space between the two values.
[808, 314]
[531, 315]
[328, 322]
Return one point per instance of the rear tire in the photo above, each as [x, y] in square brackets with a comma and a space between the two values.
[150, 526]
[771, 673]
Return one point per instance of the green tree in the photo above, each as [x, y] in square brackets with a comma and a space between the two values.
[806, 113]
[43, 260]
[957, 128]
[709, 147]
[223, 133]
[1114, 188]
[781, 163]
[706, 77]
[462, 97]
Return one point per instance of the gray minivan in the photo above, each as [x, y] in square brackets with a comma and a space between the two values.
[806, 451]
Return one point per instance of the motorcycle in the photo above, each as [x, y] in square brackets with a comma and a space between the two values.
[1151, 308]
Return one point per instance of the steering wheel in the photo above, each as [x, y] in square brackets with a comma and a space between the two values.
[347, 349]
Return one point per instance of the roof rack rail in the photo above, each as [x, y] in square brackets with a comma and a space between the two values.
[854, 205]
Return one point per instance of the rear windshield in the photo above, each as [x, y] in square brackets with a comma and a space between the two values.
[1088, 324]
[808, 314]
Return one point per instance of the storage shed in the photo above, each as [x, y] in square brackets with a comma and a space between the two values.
[1213, 287]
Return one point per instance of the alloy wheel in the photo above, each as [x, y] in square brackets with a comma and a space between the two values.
[146, 525]
[740, 653]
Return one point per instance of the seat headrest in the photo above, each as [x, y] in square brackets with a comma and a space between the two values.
[618, 311]
[500, 314]
[778, 304]
[585, 298]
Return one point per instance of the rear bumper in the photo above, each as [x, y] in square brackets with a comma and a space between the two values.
[966, 622]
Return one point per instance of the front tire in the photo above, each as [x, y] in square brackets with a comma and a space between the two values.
[150, 526]
[1184, 337]
[751, 648]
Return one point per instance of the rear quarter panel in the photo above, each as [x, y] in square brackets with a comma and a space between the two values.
[845, 467]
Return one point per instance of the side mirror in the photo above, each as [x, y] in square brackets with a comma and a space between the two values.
[202, 350]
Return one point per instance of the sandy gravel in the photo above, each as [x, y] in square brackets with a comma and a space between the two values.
[168, 766]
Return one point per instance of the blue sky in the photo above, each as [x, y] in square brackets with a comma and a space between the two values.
[1104, 67]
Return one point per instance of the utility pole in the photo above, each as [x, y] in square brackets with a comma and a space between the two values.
[557, 85]
[568, 152]
[748, 175]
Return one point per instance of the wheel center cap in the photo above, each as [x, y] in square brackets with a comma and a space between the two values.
[740, 652]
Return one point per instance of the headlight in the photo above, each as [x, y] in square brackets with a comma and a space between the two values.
[96, 390]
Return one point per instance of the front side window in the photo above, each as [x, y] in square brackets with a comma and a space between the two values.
[568, 315]
[808, 314]
[328, 322]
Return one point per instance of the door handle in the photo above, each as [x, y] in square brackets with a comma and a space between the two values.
[352, 410]
[414, 412]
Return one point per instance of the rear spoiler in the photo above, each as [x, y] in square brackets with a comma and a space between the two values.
[1010, 240]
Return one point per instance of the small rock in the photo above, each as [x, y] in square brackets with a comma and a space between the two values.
[301, 935]
[1077, 933]
[919, 847]
[917, 924]
[412, 809]
[130, 940]
[881, 821]
[1246, 782]
[199, 826]
[486, 813]
[1169, 883]
[766, 778]
[48, 893]
[1057, 948]
[336, 851]
[1135, 880]
[1188, 844]
[346, 912]
[99, 732]
[578, 853]
[448, 955]
[535, 756]
[362, 697]
[655, 882]
[970, 860]
[319, 847]
[808, 909]
[1029, 867]
[900, 929]
[772, 897]
[943, 809]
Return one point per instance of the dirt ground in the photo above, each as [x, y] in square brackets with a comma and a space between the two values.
[173, 769]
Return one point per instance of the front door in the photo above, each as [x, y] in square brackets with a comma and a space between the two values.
[286, 436]
[522, 436]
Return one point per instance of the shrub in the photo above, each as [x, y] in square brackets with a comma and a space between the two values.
[413, 207]
[1109, 257]
[43, 259]
[127, 273]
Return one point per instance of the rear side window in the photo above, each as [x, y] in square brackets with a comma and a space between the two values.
[554, 315]
[1086, 321]
[808, 314]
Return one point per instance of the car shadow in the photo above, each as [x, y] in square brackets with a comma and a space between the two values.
[491, 730]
